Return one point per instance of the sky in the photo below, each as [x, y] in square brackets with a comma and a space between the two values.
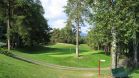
[54, 13]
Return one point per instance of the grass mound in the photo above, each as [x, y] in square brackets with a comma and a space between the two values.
[64, 54]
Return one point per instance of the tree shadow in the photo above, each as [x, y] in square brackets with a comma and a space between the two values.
[131, 71]
[48, 50]
[103, 53]
[34, 49]
[134, 71]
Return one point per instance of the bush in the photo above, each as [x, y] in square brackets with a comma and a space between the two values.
[2, 51]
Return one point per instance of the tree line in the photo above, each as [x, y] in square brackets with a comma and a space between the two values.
[65, 35]
[114, 25]
[22, 23]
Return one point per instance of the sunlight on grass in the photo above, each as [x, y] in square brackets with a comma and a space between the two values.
[13, 68]
[64, 54]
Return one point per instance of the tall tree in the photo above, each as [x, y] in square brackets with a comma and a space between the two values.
[6, 7]
[117, 16]
[26, 25]
[74, 10]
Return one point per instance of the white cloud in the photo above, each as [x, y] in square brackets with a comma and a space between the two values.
[54, 12]
[84, 29]
[58, 24]
[55, 8]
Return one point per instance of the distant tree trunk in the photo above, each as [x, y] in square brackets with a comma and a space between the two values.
[8, 35]
[135, 47]
[8, 27]
[117, 55]
[108, 47]
[98, 47]
[105, 49]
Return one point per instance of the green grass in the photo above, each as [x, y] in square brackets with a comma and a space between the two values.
[13, 68]
[61, 54]
[134, 73]
[64, 54]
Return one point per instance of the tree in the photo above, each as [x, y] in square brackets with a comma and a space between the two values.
[75, 10]
[64, 35]
[120, 20]
[7, 5]
[26, 25]
[55, 36]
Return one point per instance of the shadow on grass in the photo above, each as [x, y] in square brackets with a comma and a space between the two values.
[103, 53]
[132, 71]
[9, 54]
[48, 50]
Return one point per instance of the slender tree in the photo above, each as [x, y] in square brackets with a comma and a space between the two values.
[8, 25]
[74, 10]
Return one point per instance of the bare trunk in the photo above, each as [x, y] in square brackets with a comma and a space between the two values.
[8, 28]
[77, 33]
[117, 55]
[77, 44]
[77, 40]
[135, 47]
[113, 48]
[8, 35]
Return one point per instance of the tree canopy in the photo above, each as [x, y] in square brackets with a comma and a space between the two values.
[27, 25]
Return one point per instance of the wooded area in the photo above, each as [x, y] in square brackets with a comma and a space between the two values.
[114, 27]
[22, 23]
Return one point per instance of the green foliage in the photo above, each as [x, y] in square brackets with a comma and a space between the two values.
[122, 15]
[64, 35]
[55, 36]
[27, 24]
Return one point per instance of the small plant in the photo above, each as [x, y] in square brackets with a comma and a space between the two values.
[5, 52]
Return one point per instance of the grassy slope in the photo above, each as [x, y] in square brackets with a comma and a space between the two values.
[12, 68]
[64, 54]
[135, 73]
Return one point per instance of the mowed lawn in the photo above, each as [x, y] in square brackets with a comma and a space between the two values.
[64, 54]
[61, 54]
[13, 68]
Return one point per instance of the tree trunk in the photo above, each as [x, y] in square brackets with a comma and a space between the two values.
[77, 39]
[77, 42]
[117, 55]
[77, 33]
[98, 47]
[8, 28]
[8, 35]
[135, 47]
[113, 48]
